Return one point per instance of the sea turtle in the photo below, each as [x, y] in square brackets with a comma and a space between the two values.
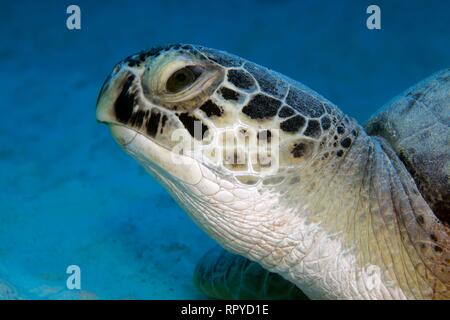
[278, 175]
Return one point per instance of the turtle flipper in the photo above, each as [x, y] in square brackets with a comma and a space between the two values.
[223, 275]
[417, 126]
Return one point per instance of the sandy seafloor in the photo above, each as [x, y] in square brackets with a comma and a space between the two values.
[69, 195]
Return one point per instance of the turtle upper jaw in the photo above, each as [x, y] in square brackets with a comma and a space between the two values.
[138, 127]
[108, 98]
[115, 102]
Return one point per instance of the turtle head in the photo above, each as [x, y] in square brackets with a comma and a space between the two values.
[217, 129]
[148, 100]
[171, 109]
[190, 102]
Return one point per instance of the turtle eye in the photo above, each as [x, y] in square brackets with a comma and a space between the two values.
[182, 79]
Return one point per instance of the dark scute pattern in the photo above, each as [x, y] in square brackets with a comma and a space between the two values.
[137, 59]
[325, 122]
[305, 103]
[229, 94]
[152, 124]
[211, 109]
[261, 107]
[190, 122]
[123, 107]
[299, 150]
[293, 124]
[268, 83]
[163, 123]
[346, 142]
[241, 79]
[160, 49]
[286, 112]
[137, 118]
[328, 108]
[313, 129]
[133, 61]
[155, 51]
[224, 59]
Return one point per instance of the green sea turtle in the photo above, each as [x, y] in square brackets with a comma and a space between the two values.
[278, 175]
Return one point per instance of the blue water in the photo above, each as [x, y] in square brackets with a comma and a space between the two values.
[69, 195]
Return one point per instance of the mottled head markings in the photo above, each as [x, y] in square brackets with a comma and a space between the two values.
[137, 118]
[346, 142]
[304, 103]
[268, 83]
[325, 122]
[124, 104]
[152, 124]
[293, 124]
[190, 122]
[285, 112]
[262, 107]
[229, 94]
[224, 59]
[211, 109]
[240, 79]
[163, 123]
[136, 60]
[242, 91]
[313, 129]
[301, 149]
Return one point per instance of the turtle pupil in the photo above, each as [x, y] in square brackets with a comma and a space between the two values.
[181, 79]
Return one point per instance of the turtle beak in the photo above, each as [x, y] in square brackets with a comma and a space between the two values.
[114, 104]
[109, 104]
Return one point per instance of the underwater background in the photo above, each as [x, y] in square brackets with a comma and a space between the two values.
[69, 195]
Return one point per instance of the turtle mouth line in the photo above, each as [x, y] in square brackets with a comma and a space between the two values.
[124, 143]
[118, 130]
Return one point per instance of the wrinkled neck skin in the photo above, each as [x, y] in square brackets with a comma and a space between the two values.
[353, 227]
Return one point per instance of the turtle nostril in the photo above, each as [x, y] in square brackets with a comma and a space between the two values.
[123, 107]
